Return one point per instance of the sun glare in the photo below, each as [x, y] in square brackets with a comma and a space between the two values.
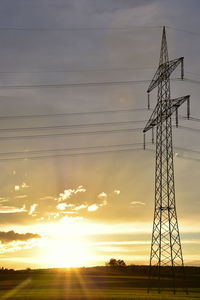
[74, 242]
[66, 247]
[68, 253]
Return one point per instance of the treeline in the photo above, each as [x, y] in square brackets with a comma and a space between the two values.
[135, 270]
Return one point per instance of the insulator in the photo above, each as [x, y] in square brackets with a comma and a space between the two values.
[148, 101]
[188, 108]
[182, 69]
[177, 117]
[152, 135]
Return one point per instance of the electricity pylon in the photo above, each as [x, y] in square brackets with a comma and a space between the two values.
[166, 245]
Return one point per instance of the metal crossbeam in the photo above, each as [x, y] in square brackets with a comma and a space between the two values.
[165, 70]
[165, 111]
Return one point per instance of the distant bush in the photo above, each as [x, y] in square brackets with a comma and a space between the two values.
[115, 263]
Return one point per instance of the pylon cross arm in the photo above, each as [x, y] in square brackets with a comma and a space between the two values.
[163, 111]
[164, 71]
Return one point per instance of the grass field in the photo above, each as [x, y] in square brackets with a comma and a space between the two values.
[86, 283]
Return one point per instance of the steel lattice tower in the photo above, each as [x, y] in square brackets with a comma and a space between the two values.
[166, 245]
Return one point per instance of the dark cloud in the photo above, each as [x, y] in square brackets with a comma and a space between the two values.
[6, 237]
[16, 218]
[113, 5]
[33, 12]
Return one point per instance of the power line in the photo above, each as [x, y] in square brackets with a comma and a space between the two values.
[118, 123]
[192, 73]
[81, 84]
[188, 150]
[74, 29]
[189, 158]
[189, 128]
[69, 133]
[191, 118]
[78, 28]
[32, 152]
[86, 153]
[72, 113]
[69, 155]
[71, 126]
[183, 30]
[76, 70]
[82, 125]
[181, 155]
[83, 70]
[192, 80]
[80, 133]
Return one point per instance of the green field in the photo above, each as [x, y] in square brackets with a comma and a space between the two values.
[89, 283]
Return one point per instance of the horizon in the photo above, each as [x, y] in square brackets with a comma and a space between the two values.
[77, 188]
[86, 267]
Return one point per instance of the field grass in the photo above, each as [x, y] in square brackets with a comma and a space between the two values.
[92, 284]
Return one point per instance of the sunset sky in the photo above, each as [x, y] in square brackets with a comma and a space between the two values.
[63, 202]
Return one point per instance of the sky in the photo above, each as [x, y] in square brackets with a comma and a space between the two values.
[74, 192]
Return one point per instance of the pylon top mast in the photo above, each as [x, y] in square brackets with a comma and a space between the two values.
[163, 73]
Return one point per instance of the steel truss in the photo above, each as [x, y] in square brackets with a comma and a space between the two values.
[166, 245]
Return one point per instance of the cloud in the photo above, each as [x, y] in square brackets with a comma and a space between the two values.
[24, 185]
[82, 206]
[32, 208]
[3, 200]
[63, 206]
[93, 207]
[114, 5]
[79, 206]
[102, 195]
[10, 236]
[21, 196]
[68, 193]
[47, 198]
[70, 220]
[11, 209]
[53, 215]
[104, 203]
[80, 189]
[117, 192]
[65, 195]
[137, 202]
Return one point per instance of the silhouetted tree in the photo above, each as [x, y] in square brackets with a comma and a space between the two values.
[115, 263]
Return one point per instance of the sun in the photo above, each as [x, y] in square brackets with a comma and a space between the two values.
[65, 247]
[66, 253]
